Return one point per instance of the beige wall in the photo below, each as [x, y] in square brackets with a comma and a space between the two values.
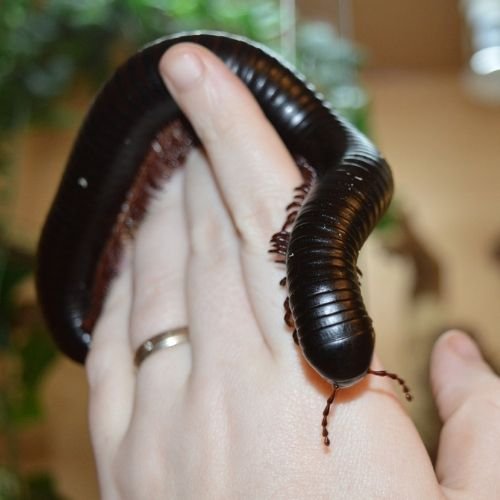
[421, 34]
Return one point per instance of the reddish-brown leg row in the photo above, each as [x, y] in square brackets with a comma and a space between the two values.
[289, 319]
[279, 241]
[166, 154]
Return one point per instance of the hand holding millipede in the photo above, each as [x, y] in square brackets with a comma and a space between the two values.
[233, 412]
[116, 164]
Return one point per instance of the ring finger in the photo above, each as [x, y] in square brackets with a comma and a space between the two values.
[159, 270]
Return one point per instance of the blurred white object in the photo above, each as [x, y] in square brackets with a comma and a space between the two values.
[482, 76]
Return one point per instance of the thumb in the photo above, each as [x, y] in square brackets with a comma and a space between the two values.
[467, 394]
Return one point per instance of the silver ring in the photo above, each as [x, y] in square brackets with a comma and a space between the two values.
[164, 340]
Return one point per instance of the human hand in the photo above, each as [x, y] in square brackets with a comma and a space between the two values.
[235, 412]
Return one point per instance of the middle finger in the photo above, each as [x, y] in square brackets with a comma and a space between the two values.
[253, 170]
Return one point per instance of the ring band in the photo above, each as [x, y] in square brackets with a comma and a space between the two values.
[164, 340]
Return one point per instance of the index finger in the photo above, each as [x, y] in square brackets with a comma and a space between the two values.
[197, 80]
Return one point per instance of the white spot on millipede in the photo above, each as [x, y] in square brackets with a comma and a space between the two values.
[82, 182]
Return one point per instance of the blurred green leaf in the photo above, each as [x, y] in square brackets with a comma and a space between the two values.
[46, 46]
[10, 484]
[14, 267]
[177, 8]
[391, 219]
[34, 350]
[36, 355]
[42, 487]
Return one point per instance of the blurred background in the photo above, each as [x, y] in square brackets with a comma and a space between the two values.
[421, 78]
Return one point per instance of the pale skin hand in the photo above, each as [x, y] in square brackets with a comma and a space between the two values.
[236, 413]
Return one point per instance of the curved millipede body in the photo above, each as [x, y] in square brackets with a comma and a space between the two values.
[135, 133]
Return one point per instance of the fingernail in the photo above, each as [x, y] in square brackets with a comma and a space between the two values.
[463, 346]
[182, 70]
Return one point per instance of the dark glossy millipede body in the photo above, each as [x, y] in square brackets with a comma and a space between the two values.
[352, 189]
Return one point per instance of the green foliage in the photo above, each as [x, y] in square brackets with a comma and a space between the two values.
[10, 484]
[32, 487]
[41, 487]
[391, 219]
[333, 64]
[15, 265]
[26, 353]
[35, 356]
[24, 344]
[46, 46]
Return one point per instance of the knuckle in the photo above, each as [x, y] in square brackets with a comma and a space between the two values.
[256, 225]
[483, 407]
[97, 366]
[132, 478]
[210, 237]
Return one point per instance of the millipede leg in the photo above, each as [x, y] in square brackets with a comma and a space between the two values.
[288, 313]
[326, 411]
[401, 382]
[279, 244]
[309, 175]
[289, 320]
[281, 239]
